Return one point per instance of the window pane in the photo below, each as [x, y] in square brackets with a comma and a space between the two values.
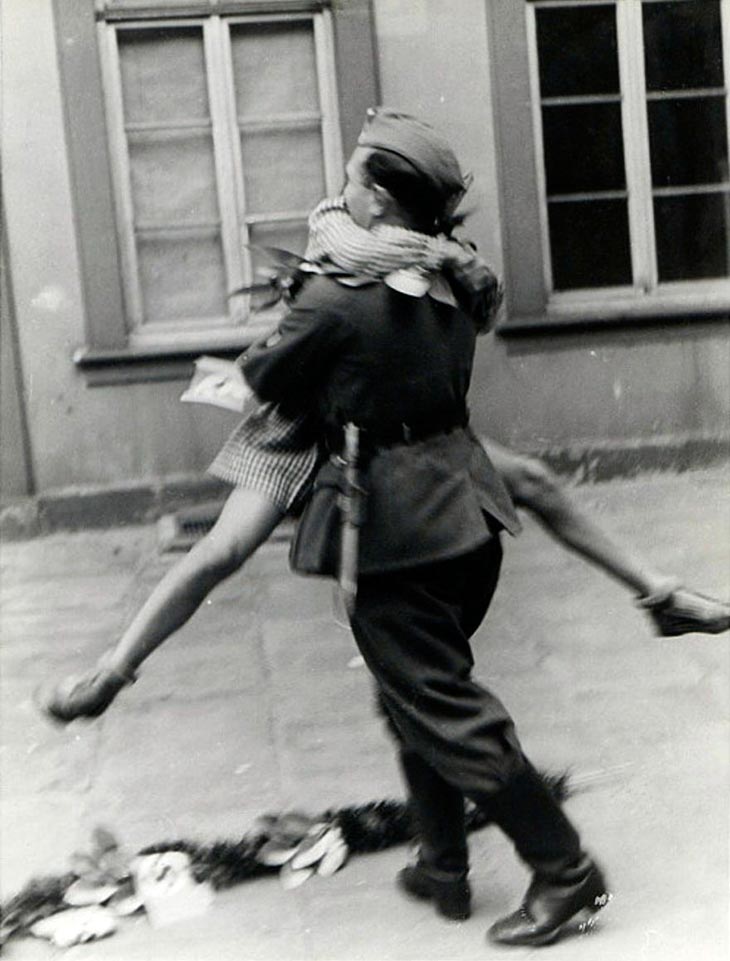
[172, 172]
[683, 45]
[282, 170]
[583, 148]
[163, 74]
[692, 236]
[688, 140]
[274, 68]
[173, 177]
[577, 50]
[182, 277]
[589, 244]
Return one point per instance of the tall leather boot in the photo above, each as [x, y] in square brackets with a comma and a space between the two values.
[565, 883]
[440, 873]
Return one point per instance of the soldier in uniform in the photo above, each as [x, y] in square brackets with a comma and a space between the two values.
[397, 366]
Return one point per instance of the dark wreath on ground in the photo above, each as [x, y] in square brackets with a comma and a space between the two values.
[277, 840]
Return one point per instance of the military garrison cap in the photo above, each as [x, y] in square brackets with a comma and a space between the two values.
[419, 144]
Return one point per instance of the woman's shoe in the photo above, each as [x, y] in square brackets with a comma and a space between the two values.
[451, 896]
[82, 695]
[548, 908]
[686, 612]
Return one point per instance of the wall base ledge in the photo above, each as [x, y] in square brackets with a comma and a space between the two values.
[144, 502]
[593, 462]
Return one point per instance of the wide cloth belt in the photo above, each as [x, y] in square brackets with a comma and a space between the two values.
[392, 435]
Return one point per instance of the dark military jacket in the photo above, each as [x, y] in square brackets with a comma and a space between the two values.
[383, 360]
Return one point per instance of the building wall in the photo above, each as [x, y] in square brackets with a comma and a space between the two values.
[619, 386]
[80, 435]
[622, 386]
[16, 472]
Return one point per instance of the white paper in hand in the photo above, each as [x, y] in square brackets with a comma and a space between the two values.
[218, 382]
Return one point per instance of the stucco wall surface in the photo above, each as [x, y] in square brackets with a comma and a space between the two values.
[595, 388]
[78, 435]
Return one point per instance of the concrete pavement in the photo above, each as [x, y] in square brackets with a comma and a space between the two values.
[260, 704]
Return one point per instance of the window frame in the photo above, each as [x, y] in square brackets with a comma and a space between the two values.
[531, 301]
[111, 352]
[234, 221]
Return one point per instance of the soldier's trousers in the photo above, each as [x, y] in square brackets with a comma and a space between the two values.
[455, 737]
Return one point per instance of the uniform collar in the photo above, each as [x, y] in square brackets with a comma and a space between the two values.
[409, 282]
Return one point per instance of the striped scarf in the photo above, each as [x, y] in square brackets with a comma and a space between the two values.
[335, 238]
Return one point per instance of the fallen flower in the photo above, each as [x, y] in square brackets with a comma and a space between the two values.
[75, 926]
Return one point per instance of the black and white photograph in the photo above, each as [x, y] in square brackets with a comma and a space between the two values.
[365, 480]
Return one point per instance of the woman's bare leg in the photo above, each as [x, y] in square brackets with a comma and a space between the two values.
[534, 486]
[674, 610]
[246, 521]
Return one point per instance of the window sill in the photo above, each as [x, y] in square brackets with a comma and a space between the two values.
[578, 317]
[103, 367]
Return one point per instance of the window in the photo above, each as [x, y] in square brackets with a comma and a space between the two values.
[195, 128]
[626, 185]
[224, 134]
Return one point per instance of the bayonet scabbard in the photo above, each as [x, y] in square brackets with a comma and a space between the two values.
[351, 513]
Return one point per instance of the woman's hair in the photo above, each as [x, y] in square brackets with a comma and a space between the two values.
[420, 201]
